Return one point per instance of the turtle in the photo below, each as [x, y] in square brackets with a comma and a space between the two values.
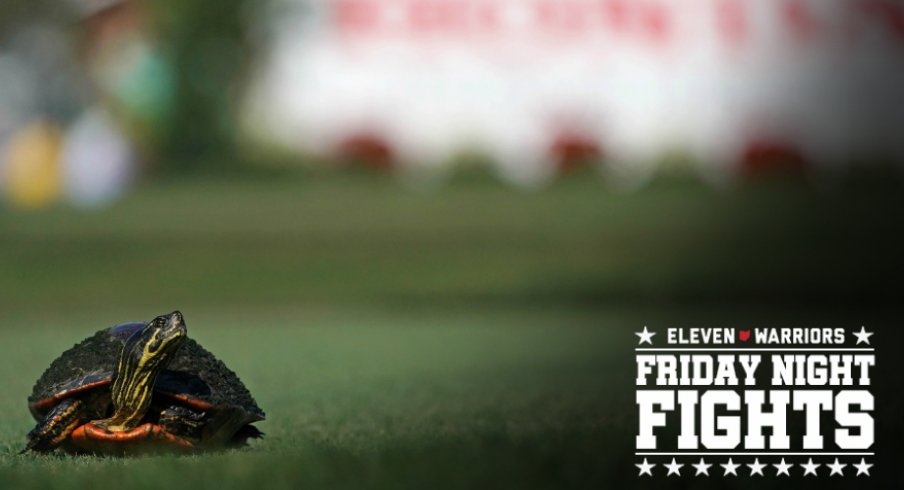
[140, 387]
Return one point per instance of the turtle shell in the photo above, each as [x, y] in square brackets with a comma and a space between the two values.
[193, 377]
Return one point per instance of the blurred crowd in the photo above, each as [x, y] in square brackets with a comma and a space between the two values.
[79, 93]
[95, 94]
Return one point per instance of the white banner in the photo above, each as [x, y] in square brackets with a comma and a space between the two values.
[527, 81]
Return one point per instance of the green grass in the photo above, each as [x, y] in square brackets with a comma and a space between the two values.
[364, 239]
[386, 398]
[474, 337]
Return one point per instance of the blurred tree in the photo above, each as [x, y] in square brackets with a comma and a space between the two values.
[14, 13]
[207, 44]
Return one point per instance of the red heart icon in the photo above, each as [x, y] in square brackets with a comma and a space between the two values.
[744, 335]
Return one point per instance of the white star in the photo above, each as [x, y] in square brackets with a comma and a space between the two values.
[645, 336]
[863, 468]
[702, 468]
[836, 468]
[810, 467]
[782, 468]
[645, 468]
[674, 468]
[756, 468]
[731, 468]
[863, 335]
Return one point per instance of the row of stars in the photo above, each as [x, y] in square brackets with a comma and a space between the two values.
[647, 336]
[756, 468]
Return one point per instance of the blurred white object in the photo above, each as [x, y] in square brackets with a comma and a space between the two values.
[98, 162]
[706, 78]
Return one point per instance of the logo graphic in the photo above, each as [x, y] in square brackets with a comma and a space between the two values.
[730, 402]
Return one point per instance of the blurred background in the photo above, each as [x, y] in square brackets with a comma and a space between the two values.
[99, 95]
[428, 228]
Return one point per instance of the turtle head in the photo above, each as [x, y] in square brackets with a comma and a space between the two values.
[160, 338]
[144, 356]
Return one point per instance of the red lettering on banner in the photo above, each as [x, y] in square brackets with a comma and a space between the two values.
[615, 14]
[651, 22]
[357, 15]
[656, 23]
[732, 22]
[799, 19]
[487, 16]
[438, 16]
[561, 16]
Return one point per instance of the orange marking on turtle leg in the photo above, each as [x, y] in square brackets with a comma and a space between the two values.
[90, 437]
[56, 441]
[56, 426]
[163, 435]
[143, 431]
[188, 400]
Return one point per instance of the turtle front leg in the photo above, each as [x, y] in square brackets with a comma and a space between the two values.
[56, 426]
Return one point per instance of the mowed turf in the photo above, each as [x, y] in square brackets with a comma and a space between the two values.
[366, 238]
[478, 336]
[370, 398]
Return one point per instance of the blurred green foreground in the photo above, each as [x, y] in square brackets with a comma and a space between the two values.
[478, 337]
